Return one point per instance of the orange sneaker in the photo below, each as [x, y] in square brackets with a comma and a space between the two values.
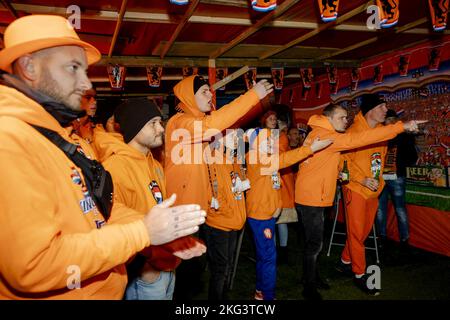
[259, 295]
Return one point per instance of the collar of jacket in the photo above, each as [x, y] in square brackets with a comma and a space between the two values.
[57, 110]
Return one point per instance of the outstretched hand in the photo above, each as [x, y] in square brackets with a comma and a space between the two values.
[413, 125]
[320, 144]
[189, 253]
[166, 223]
[263, 88]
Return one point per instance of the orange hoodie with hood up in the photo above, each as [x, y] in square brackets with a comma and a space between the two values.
[315, 184]
[364, 161]
[231, 213]
[262, 200]
[46, 240]
[189, 179]
[134, 176]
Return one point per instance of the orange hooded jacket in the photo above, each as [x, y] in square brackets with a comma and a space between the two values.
[46, 239]
[132, 174]
[190, 180]
[315, 184]
[231, 213]
[360, 161]
[287, 177]
[262, 199]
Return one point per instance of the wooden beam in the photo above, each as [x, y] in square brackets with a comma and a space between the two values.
[180, 27]
[10, 8]
[149, 17]
[230, 3]
[230, 78]
[251, 30]
[123, 8]
[170, 62]
[374, 39]
[323, 27]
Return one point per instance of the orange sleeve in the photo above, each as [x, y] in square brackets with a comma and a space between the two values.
[352, 140]
[284, 159]
[219, 120]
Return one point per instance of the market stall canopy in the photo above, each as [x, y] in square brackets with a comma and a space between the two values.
[137, 34]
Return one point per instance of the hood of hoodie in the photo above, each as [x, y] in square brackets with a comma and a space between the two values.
[17, 105]
[108, 144]
[184, 91]
[320, 121]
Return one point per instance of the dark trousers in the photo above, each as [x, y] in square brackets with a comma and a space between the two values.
[220, 253]
[311, 226]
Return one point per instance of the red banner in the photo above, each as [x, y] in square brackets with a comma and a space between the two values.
[264, 5]
[356, 75]
[221, 73]
[116, 75]
[328, 9]
[154, 74]
[277, 78]
[439, 12]
[250, 78]
[389, 12]
[434, 59]
[403, 65]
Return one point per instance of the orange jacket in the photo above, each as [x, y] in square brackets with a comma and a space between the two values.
[231, 213]
[315, 184]
[361, 161]
[132, 174]
[45, 237]
[287, 176]
[262, 199]
[190, 181]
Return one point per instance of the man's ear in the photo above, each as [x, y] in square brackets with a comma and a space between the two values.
[25, 67]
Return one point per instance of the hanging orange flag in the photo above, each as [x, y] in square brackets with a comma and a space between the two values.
[328, 9]
[356, 75]
[154, 74]
[378, 74]
[264, 5]
[250, 78]
[116, 75]
[439, 12]
[434, 59]
[306, 75]
[189, 71]
[221, 73]
[277, 78]
[403, 65]
[179, 2]
[389, 12]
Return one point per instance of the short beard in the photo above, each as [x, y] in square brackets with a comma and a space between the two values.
[50, 87]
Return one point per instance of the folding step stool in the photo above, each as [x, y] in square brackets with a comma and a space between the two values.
[339, 196]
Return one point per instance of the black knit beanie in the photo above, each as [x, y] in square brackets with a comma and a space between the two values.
[133, 114]
[370, 101]
[198, 83]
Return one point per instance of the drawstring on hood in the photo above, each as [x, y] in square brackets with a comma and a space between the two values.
[57, 110]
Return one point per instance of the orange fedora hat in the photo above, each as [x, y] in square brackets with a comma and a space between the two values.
[36, 32]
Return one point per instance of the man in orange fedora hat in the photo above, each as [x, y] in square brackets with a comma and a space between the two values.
[62, 237]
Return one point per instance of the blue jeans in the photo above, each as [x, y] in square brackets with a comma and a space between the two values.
[397, 189]
[160, 289]
[266, 256]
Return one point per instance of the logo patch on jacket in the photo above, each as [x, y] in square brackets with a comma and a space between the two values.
[156, 191]
[268, 233]
[75, 176]
[87, 203]
[375, 164]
